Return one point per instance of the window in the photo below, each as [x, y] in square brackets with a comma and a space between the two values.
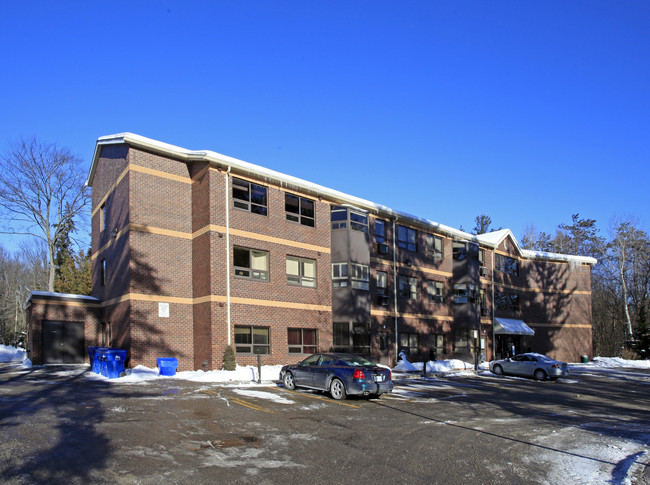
[506, 265]
[481, 256]
[408, 342]
[355, 275]
[434, 246]
[102, 273]
[302, 340]
[459, 250]
[508, 302]
[301, 271]
[407, 238]
[342, 216]
[339, 275]
[252, 340]
[359, 274]
[102, 218]
[407, 287]
[299, 209]
[351, 337]
[436, 290]
[464, 293]
[380, 231]
[460, 293]
[436, 344]
[250, 263]
[249, 196]
[382, 283]
[464, 341]
[358, 221]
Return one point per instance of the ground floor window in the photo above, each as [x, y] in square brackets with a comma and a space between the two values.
[252, 340]
[408, 342]
[464, 341]
[351, 337]
[302, 340]
[436, 345]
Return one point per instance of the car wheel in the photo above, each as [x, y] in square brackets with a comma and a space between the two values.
[337, 389]
[289, 382]
[540, 375]
[498, 370]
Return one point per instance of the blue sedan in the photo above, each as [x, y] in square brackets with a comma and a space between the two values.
[339, 374]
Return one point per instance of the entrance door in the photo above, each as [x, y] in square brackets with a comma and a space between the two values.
[507, 345]
[63, 342]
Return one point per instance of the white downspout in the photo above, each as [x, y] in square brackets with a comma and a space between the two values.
[395, 289]
[494, 343]
[228, 324]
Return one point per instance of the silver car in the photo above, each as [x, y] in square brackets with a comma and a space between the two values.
[530, 365]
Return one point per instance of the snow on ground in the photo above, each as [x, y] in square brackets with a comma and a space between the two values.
[249, 374]
[11, 354]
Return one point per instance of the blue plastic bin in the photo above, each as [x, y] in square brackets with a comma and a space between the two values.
[91, 356]
[115, 359]
[99, 361]
[167, 365]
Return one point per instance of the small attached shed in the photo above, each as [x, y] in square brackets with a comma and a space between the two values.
[60, 327]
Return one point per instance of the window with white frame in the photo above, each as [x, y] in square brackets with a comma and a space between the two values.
[339, 275]
[360, 276]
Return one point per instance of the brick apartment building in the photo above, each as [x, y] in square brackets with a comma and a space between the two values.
[194, 251]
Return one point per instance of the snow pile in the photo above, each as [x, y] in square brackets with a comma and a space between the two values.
[241, 374]
[11, 354]
[432, 366]
[618, 362]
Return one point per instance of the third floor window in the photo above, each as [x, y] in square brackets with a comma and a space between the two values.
[249, 196]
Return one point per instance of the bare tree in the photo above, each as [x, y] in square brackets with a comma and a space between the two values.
[42, 190]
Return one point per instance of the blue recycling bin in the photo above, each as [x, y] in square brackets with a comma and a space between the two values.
[167, 365]
[91, 356]
[98, 365]
[114, 359]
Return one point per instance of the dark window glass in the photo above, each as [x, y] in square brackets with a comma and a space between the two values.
[252, 340]
[299, 209]
[407, 238]
[302, 341]
[459, 250]
[380, 231]
[249, 196]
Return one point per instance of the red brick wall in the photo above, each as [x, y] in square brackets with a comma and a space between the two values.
[60, 310]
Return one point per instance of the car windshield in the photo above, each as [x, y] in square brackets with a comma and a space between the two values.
[355, 360]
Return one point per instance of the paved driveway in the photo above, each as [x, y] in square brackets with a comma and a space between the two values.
[58, 426]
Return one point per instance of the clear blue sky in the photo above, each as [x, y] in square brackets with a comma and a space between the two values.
[525, 111]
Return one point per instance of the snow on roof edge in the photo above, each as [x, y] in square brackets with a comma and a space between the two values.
[492, 239]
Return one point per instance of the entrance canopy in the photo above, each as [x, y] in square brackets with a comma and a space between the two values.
[508, 326]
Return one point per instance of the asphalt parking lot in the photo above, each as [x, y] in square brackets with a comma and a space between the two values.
[58, 426]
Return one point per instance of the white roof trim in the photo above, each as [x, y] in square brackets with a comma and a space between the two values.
[491, 240]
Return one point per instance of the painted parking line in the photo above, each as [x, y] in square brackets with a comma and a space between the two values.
[241, 402]
[316, 397]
